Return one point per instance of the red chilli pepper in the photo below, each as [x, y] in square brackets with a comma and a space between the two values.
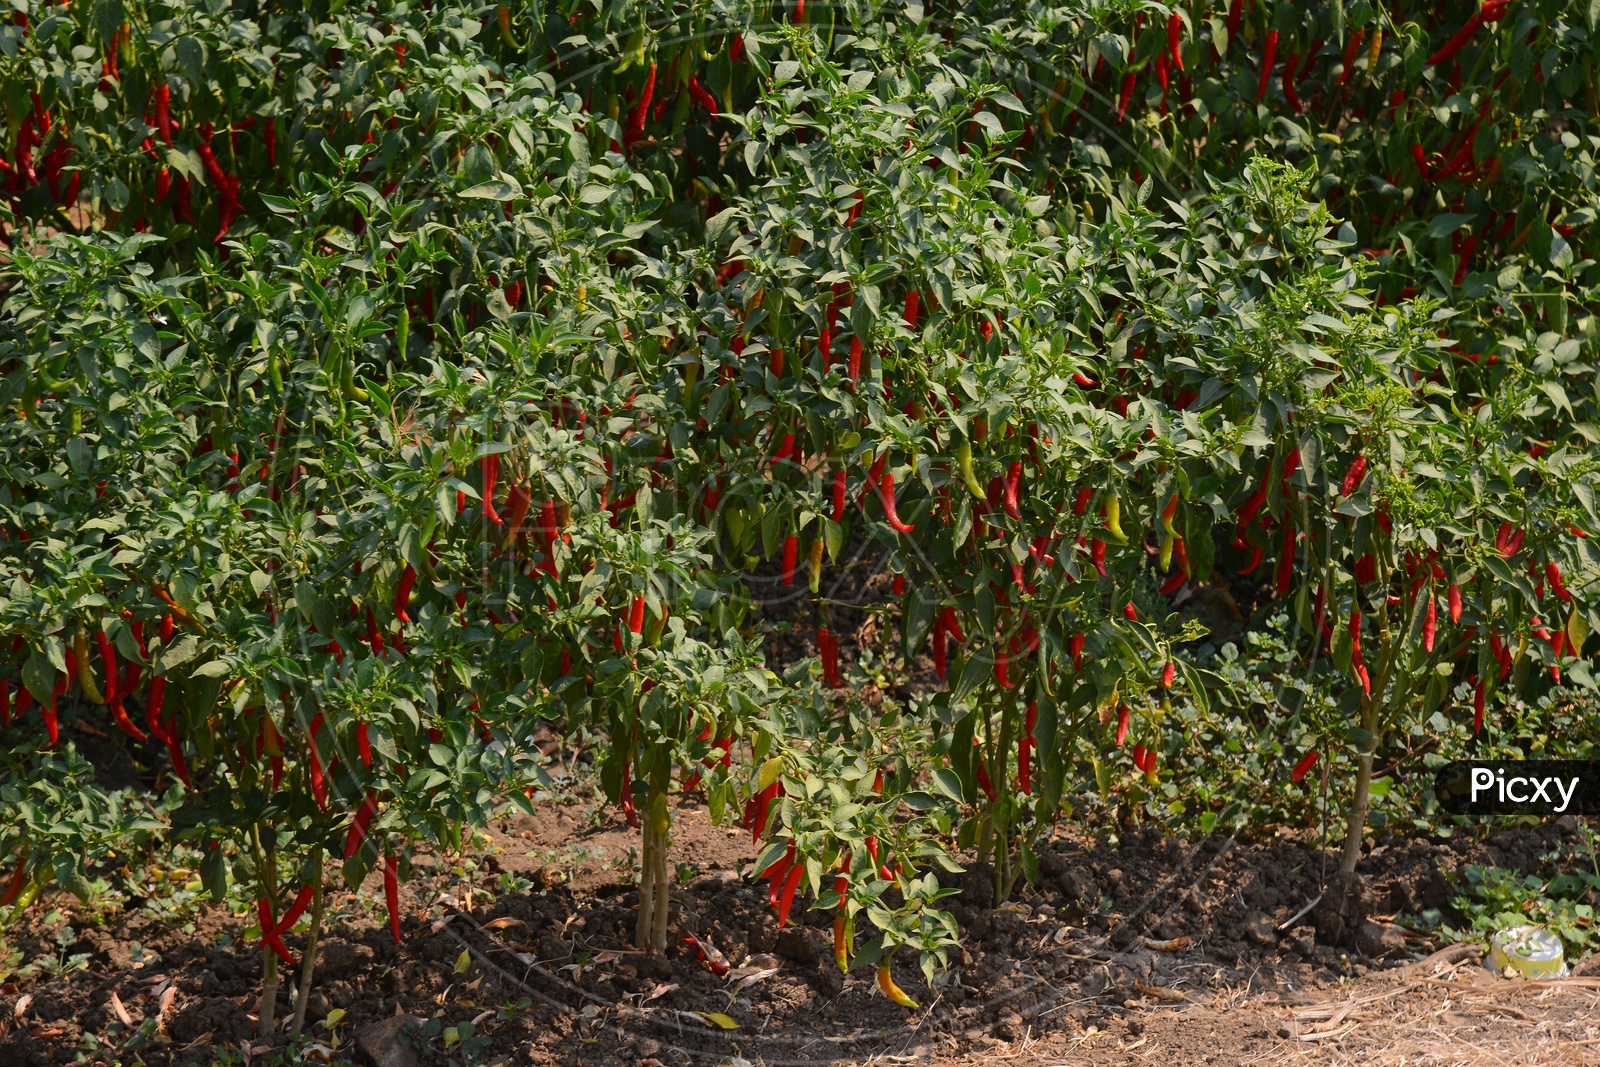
[786, 897]
[391, 893]
[268, 938]
[358, 826]
[701, 97]
[1122, 725]
[319, 784]
[839, 479]
[374, 638]
[490, 466]
[364, 745]
[1462, 36]
[1353, 476]
[763, 801]
[1421, 158]
[641, 109]
[1304, 765]
[791, 555]
[775, 874]
[297, 908]
[14, 885]
[1286, 561]
[108, 660]
[1552, 573]
[1025, 751]
[886, 497]
[227, 185]
[1085, 493]
[1252, 506]
[402, 594]
[985, 783]
[113, 697]
[164, 113]
[52, 724]
[785, 450]
[129, 682]
[1129, 80]
[953, 625]
[1013, 481]
[1351, 47]
[1268, 56]
[1174, 37]
[1289, 94]
[1291, 463]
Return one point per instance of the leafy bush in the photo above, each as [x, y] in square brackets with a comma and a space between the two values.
[379, 384]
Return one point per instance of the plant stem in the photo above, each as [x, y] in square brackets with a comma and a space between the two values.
[269, 959]
[655, 888]
[1003, 840]
[308, 964]
[658, 941]
[1358, 815]
[642, 932]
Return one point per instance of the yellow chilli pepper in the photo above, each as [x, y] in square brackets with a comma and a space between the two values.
[1114, 519]
[890, 990]
[964, 462]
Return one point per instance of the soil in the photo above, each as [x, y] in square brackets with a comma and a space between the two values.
[1196, 952]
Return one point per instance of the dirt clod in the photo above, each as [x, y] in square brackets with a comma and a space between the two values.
[385, 1044]
[1379, 940]
[1344, 906]
[338, 958]
[222, 1019]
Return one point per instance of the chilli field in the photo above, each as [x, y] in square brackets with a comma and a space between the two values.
[709, 532]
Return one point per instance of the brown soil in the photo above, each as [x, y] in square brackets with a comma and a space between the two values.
[1075, 971]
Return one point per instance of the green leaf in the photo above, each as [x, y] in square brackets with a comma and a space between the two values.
[214, 874]
[40, 677]
[973, 672]
[1445, 224]
[503, 188]
[946, 782]
[833, 539]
